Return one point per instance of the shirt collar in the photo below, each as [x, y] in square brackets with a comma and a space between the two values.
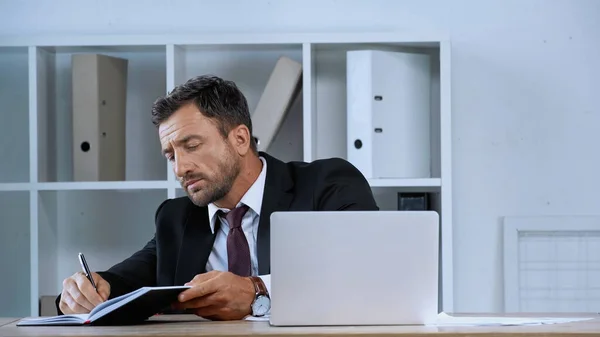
[252, 198]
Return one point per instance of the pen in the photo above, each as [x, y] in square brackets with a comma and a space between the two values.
[86, 270]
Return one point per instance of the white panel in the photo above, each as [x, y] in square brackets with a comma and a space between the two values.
[179, 66]
[99, 107]
[104, 185]
[47, 242]
[34, 252]
[389, 107]
[175, 66]
[435, 122]
[441, 150]
[552, 264]
[359, 95]
[14, 254]
[44, 110]
[329, 96]
[14, 140]
[175, 75]
[309, 117]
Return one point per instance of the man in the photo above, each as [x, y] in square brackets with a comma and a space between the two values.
[217, 238]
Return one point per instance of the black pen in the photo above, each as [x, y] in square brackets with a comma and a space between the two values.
[86, 270]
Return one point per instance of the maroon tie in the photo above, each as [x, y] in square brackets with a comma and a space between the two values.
[238, 252]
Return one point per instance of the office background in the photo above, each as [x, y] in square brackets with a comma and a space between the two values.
[525, 113]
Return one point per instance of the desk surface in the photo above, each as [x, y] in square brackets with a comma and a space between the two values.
[189, 325]
[6, 320]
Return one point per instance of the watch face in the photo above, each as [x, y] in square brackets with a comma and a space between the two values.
[261, 306]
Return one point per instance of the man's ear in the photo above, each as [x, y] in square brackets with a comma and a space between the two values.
[241, 138]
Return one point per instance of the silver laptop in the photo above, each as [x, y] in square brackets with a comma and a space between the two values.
[354, 268]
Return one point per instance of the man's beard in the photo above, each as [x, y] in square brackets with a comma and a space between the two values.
[218, 187]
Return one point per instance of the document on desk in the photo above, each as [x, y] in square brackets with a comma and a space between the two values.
[444, 319]
[264, 318]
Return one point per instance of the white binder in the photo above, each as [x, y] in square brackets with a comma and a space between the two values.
[388, 113]
[99, 104]
[279, 94]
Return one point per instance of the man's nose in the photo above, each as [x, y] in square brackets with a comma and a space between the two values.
[182, 166]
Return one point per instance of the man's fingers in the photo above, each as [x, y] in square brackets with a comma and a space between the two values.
[63, 306]
[199, 290]
[103, 286]
[80, 296]
[76, 295]
[214, 299]
[199, 278]
[73, 305]
[87, 290]
[103, 290]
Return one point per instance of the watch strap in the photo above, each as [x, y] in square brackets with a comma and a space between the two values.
[259, 286]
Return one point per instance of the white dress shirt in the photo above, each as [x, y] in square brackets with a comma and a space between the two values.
[253, 199]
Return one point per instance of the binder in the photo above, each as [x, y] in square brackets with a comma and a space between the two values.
[99, 104]
[388, 113]
[280, 92]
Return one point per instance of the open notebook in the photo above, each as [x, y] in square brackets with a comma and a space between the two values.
[130, 308]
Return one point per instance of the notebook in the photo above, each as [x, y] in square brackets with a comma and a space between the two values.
[131, 308]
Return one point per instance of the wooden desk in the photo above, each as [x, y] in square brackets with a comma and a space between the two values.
[189, 325]
[7, 320]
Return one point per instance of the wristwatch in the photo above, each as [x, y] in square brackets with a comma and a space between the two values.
[262, 302]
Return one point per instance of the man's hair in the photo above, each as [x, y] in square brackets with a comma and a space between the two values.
[216, 98]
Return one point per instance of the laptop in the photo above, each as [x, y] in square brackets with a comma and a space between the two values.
[354, 268]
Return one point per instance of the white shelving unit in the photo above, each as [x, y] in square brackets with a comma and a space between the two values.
[46, 218]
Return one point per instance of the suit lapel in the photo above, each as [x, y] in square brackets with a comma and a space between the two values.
[277, 196]
[196, 245]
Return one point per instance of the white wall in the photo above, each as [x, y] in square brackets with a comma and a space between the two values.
[525, 114]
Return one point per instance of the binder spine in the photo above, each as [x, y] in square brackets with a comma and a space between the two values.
[359, 96]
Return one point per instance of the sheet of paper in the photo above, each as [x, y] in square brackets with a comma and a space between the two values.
[447, 320]
[258, 319]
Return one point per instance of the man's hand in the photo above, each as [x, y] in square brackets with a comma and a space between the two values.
[79, 296]
[218, 295]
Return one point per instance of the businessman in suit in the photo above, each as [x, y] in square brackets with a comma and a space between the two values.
[216, 239]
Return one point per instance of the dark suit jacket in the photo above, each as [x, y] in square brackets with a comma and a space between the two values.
[183, 239]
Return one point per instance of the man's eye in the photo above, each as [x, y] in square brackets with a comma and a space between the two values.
[193, 146]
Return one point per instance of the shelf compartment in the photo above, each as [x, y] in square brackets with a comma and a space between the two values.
[249, 66]
[107, 226]
[146, 80]
[14, 110]
[14, 249]
[329, 99]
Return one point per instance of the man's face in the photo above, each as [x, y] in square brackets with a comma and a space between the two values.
[204, 162]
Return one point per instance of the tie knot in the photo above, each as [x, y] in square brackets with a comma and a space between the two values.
[234, 217]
